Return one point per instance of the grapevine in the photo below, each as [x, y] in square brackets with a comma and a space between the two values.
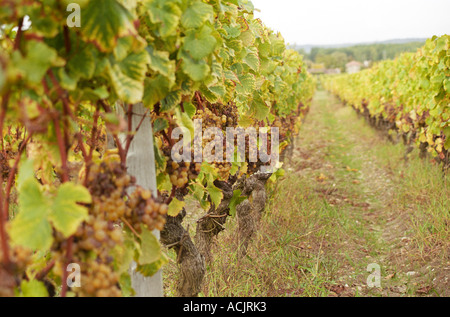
[67, 93]
[408, 95]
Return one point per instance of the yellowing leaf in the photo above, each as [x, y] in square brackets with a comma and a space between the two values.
[175, 207]
[33, 288]
[66, 214]
[150, 247]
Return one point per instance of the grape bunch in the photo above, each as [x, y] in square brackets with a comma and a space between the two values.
[181, 173]
[222, 117]
[19, 256]
[111, 209]
[4, 166]
[144, 209]
[217, 115]
[223, 169]
[98, 280]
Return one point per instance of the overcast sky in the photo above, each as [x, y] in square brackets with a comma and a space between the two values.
[349, 21]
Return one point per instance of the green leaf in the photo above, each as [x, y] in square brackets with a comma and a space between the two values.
[199, 44]
[135, 65]
[196, 70]
[127, 77]
[103, 22]
[259, 108]
[196, 15]
[160, 124]
[447, 85]
[252, 60]
[39, 58]
[219, 91]
[166, 14]
[183, 120]
[66, 214]
[123, 255]
[246, 84]
[161, 63]
[30, 228]
[150, 248]
[215, 194]
[175, 207]
[236, 200]
[190, 109]
[67, 82]
[125, 285]
[82, 64]
[151, 269]
[33, 288]
[45, 25]
[163, 181]
[172, 99]
[155, 90]
[198, 191]
[26, 172]
[232, 31]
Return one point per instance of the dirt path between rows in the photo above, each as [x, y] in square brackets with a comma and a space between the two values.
[346, 161]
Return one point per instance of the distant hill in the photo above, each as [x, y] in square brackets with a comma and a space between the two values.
[307, 47]
[337, 56]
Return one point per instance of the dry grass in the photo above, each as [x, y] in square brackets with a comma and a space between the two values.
[348, 199]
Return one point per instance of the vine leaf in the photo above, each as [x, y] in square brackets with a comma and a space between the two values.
[66, 215]
[39, 58]
[123, 255]
[82, 64]
[127, 76]
[215, 194]
[246, 84]
[104, 22]
[161, 63]
[252, 60]
[33, 288]
[259, 107]
[196, 70]
[30, 228]
[152, 268]
[236, 200]
[164, 13]
[197, 14]
[155, 89]
[175, 207]
[150, 247]
[125, 285]
[199, 44]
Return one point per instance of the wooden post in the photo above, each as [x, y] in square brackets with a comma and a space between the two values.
[141, 164]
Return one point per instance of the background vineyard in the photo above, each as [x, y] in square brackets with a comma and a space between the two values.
[63, 92]
[88, 169]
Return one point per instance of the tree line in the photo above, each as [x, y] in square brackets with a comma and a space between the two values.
[338, 57]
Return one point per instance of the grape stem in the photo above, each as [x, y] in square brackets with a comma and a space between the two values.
[4, 201]
[172, 195]
[130, 227]
[122, 153]
[130, 136]
[45, 270]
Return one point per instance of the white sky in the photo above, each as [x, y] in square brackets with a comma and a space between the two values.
[349, 21]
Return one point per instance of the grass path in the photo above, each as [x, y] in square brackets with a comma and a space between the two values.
[347, 200]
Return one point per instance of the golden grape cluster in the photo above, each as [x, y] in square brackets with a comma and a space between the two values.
[218, 116]
[111, 208]
[99, 280]
[144, 209]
